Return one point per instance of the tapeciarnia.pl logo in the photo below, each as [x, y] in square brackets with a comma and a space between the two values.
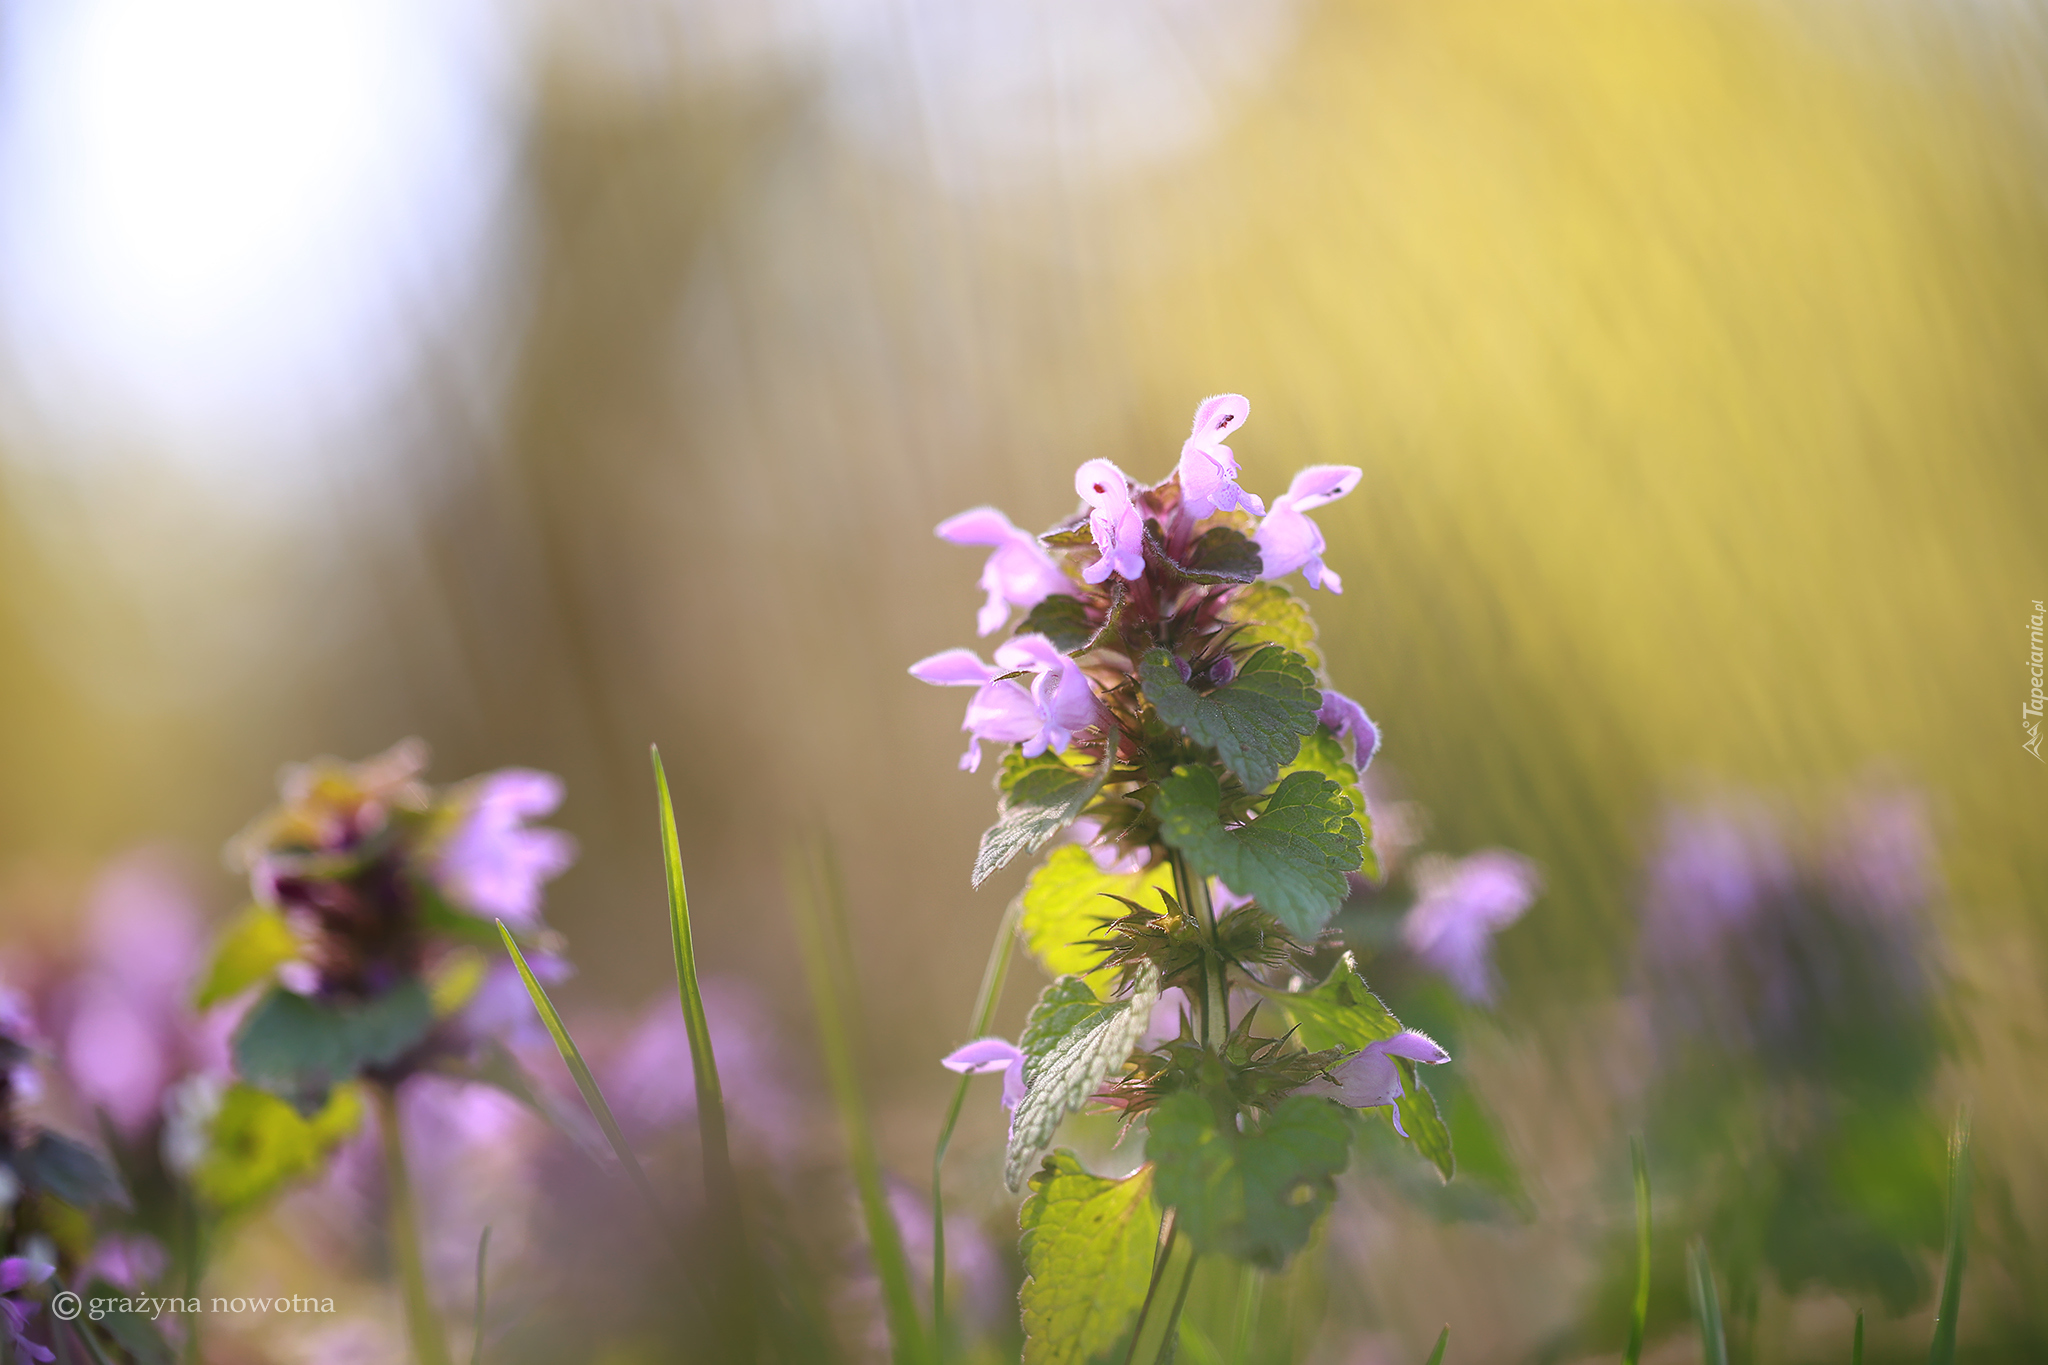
[2030, 714]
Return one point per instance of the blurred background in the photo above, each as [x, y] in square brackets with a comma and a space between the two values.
[549, 379]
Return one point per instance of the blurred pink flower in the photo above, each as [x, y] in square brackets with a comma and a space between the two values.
[1208, 468]
[1462, 904]
[17, 1273]
[1018, 574]
[492, 864]
[131, 1032]
[1347, 720]
[1288, 540]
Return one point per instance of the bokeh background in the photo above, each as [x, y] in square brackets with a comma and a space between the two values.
[549, 379]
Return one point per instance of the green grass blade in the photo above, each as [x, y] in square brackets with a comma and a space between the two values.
[1942, 1350]
[483, 1252]
[572, 1057]
[985, 1002]
[1706, 1306]
[1639, 1312]
[1443, 1339]
[703, 1064]
[721, 1188]
[1251, 1286]
[1856, 1349]
[78, 1329]
[814, 894]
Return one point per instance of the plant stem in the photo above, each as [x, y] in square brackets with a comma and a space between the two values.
[1639, 1315]
[1942, 1350]
[816, 898]
[1247, 1313]
[985, 1001]
[428, 1345]
[1214, 1008]
[1170, 1231]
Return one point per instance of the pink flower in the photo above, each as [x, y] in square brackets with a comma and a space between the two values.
[1347, 720]
[1368, 1078]
[1113, 520]
[1288, 540]
[492, 864]
[1045, 716]
[1208, 469]
[1019, 574]
[986, 1055]
[1463, 905]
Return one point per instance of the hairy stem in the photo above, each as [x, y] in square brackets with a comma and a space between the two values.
[429, 1347]
[1169, 1245]
[1214, 1006]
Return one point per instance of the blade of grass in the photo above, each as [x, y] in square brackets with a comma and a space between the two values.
[1639, 1312]
[985, 1001]
[721, 1189]
[593, 1098]
[814, 894]
[1443, 1339]
[1200, 1350]
[483, 1251]
[1942, 1350]
[1856, 1349]
[1706, 1305]
[1248, 1292]
[78, 1329]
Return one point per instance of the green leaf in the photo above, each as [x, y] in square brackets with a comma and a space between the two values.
[1060, 619]
[1254, 722]
[1427, 1131]
[1443, 1339]
[1064, 907]
[1071, 1043]
[1342, 1012]
[298, 1048]
[1942, 1350]
[1087, 1249]
[1269, 613]
[1322, 752]
[255, 945]
[1224, 555]
[1254, 1194]
[1706, 1305]
[137, 1336]
[70, 1170]
[1291, 859]
[258, 1144]
[1039, 797]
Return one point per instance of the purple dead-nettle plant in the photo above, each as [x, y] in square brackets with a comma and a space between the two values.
[51, 1187]
[373, 956]
[1163, 699]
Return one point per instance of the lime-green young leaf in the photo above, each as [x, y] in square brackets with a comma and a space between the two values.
[1071, 1043]
[254, 946]
[1292, 858]
[1254, 1194]
[1342, 1012]
[1254, 722]
[1268, 613]
[1066, 905]
[258, 1144]
[1038, 798]
[1087, 1249]
[1322, 752]
[298, 1048]
[1060, 619]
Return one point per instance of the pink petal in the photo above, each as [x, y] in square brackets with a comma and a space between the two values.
[1217, 417]
[1414, 1046]
[953, 668]
[1322, 483]
[979, 526]
[983, 1055]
